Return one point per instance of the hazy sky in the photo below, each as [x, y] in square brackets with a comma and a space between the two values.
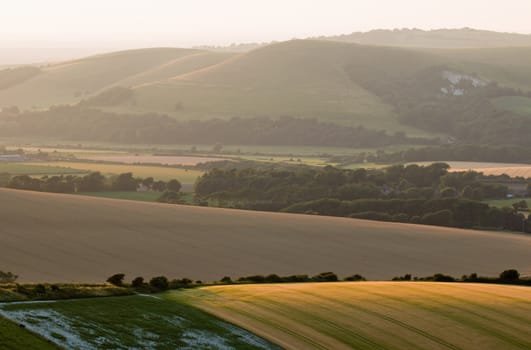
[131, 23]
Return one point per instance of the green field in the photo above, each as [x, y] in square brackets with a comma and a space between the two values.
[500, 203]
[517, 104]
[37, 169]
[375, 315]
[13, 337]
[147, 196]
[131, 322]
[185, 176]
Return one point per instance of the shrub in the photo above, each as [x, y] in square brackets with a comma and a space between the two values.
[40, 289]
[406, 277]
[226, 279]
[7, 277]
[510, 275]
[438, 218]
[137, 282]
[355, 277]
[325, 277]
[173, 185]
[254, 279]
[117, 279]
[159, 283]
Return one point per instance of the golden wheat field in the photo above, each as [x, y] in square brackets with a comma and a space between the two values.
[158, 172]
[53, 237]
[375, 315]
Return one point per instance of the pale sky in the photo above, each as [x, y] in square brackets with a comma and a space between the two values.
[137, 23]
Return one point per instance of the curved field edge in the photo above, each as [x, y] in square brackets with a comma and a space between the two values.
[374, 315]
[129, 322]
[64, 238]
[14, 337]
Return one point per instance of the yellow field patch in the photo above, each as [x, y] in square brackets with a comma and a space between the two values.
[157, 172]
[375, 315]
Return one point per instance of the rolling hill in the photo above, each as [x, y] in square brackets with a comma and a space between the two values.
[338, 82]
[438, 38]
[374, 315]
[71, 81]
[54, 238]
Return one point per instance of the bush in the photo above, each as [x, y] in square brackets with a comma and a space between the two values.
[325, 277]
[406, 277]
[159, 283]
[7, 277]
[438, 218]
[173, 185]
[254, 279]
[355, 277]
[226, 279]
[170, 197]
[137, 282]
[510, 275]
[40, 289]
[117, 280]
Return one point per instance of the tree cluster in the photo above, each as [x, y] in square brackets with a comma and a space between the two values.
[93, 182]
[415, 194]
[84, 123]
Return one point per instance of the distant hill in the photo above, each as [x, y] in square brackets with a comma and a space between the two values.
[397, 89]
[71, 81]
[439, 38]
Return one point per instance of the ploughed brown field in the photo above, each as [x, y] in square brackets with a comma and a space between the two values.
[61, 238]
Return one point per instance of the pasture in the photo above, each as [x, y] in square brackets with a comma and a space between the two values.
[37, 169]
[13, 337]
[130, 322]
[147, 159]
[500, 203]
[375, 315]
[66, 238]
[185, 176]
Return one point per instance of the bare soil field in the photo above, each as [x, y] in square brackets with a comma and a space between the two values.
[375, 315]
[62, 238]
[487, 168]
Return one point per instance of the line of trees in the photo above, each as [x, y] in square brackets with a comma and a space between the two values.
[453, 152]
[414, 194]
[510, 276]
[83, 123]
[93, 182]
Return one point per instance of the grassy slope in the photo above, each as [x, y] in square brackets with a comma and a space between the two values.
[520, 105]
[71, 81]
[50, 237]
[13, 337]
[310, 78]
[501, 203]
[510, 66]
[37, 169]
[132, 322]
[298, 78]
[438, 38]
[375, 315]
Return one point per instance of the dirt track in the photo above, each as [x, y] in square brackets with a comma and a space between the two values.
[49, 237]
